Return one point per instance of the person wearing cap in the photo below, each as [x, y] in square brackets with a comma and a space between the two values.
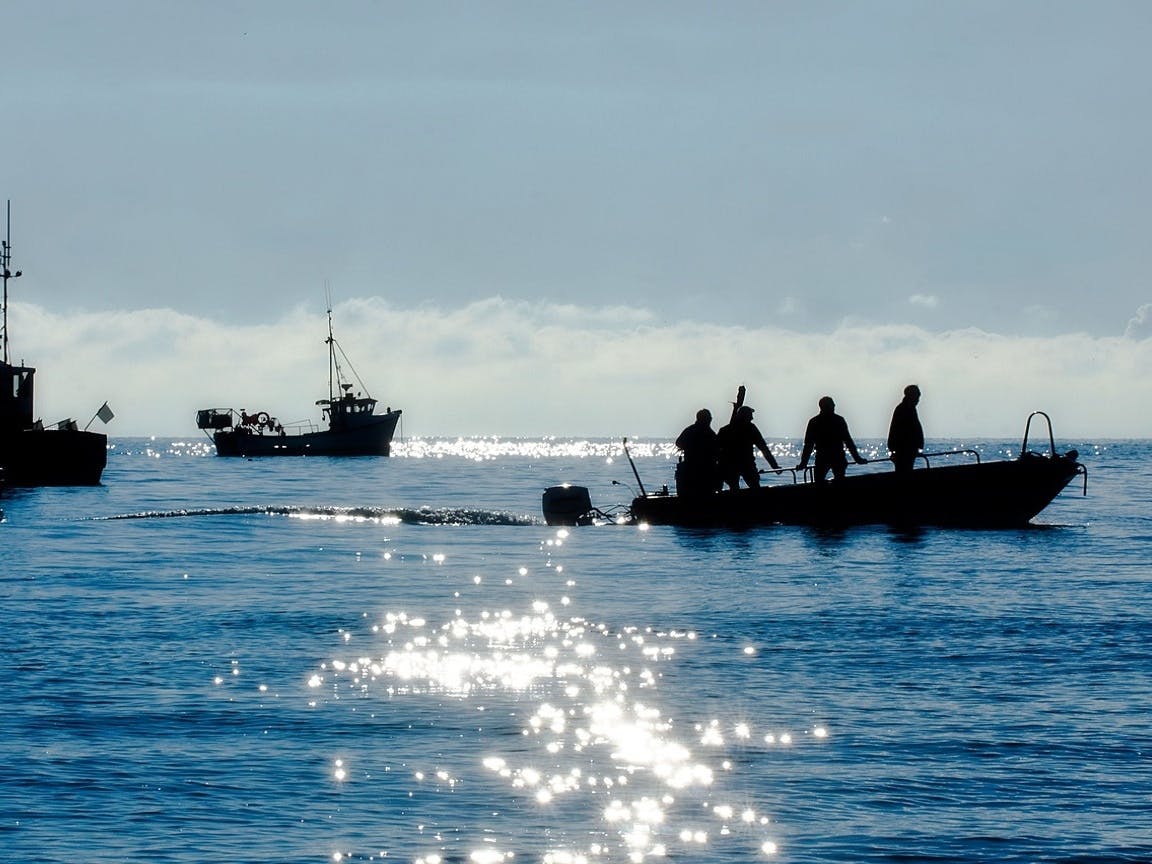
[905, 434]
[738, 442]
[827, 434]
[696, 472]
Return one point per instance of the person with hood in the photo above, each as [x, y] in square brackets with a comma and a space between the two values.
[697, 472]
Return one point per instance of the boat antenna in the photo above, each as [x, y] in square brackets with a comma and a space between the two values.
[5, 260]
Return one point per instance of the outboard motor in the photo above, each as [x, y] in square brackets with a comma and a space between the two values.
[567, 505]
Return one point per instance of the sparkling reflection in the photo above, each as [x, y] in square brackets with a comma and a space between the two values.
[592, 729]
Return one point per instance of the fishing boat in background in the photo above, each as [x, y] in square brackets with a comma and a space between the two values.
[975, 494]
[354, 427]
[32, 453]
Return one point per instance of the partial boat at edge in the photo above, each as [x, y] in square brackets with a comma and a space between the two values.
[31, 454]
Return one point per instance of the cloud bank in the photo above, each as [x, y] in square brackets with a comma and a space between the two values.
[498, 367]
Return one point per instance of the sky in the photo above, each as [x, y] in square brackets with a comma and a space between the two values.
[578, 219]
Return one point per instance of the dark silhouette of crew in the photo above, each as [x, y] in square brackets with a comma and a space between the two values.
[905, 434]
[697, 472]
[739, 441]
[828, 435]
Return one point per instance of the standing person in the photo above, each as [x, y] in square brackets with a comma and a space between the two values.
[906, 435]
[739, 441]
[828, 435]
[696, 473]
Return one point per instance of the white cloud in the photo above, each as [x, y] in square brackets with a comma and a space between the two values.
[514, 368]
[929, 301]
[789, 306]
[1140, 325]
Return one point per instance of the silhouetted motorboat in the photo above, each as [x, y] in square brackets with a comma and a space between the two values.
[354, 427]
[978, 494]
[32, 454]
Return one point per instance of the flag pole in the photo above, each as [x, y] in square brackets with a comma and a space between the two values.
[103, 412]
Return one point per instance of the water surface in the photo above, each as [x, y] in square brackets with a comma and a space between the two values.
[318, 659]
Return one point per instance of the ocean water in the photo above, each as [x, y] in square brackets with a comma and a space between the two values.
[323, 660]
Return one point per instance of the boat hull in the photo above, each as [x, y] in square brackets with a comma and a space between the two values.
[52, 457]
[373, 438]
[1001, 494]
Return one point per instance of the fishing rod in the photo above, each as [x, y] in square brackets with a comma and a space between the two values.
[635, 473]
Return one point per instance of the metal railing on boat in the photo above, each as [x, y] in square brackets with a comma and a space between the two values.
[1027, 429]
[927, 457]
[1052, 454]
[963, 451]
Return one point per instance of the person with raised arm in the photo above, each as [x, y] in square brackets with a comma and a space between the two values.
[739, 441]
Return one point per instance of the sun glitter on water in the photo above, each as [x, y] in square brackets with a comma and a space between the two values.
[593, 732]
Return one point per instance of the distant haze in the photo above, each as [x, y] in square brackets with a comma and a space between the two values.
[566, 218]
[508, 368]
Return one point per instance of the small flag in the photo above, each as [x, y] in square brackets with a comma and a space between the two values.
[105, 413]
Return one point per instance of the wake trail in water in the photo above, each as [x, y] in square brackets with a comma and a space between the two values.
[385, 515]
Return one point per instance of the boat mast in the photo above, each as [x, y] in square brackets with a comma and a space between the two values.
[5, 260]
[331, 355]
[337, 386]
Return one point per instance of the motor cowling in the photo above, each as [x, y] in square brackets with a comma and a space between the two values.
[567, 505]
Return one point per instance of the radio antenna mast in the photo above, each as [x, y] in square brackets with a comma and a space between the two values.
[5, 260]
